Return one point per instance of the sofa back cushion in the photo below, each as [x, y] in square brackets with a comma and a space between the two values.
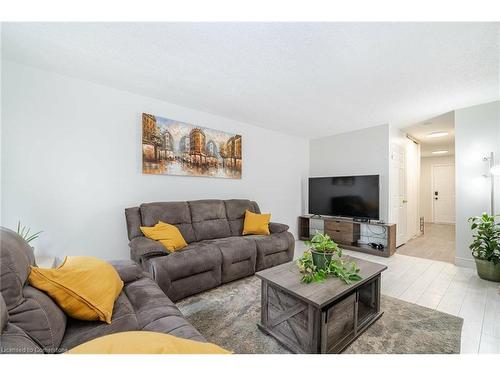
[29, 309]
[16, 259]
[175, 213]
[40, 318]
[196, 220]
[209, 219]
[235, 211]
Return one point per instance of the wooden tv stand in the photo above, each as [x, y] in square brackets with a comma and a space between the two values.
[347, 233]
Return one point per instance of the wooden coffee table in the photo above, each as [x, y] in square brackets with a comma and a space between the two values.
[322, 317]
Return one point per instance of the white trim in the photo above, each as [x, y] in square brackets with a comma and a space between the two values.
[465, 262]
[432, 191]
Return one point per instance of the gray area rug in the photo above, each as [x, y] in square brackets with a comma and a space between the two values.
[228, 316]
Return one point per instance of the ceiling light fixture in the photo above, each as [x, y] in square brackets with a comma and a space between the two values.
[439, 152]
[437, 134]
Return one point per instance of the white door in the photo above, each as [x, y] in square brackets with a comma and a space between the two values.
[398, 192]
[412, 188]
[443, 193]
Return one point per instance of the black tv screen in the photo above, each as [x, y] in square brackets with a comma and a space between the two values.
[349, 196]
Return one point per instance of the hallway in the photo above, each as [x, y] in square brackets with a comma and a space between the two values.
[438, 243]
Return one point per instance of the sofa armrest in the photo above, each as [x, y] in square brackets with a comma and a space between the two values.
[277, 228]
[143, 247]
[128, 270]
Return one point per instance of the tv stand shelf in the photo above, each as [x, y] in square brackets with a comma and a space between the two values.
[347, 233]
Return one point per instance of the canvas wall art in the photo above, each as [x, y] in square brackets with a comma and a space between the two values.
[172, 147]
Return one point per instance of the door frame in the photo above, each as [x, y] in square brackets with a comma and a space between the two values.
[393, 202]
[432, 190]
[412, 176]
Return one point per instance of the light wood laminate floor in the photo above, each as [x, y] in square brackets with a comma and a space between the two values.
[445, 287]
[437, 243]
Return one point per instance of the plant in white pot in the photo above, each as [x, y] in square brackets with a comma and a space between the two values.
[486, 246]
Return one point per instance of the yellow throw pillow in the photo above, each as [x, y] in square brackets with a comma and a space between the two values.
[167, 234]
[256, 223]
[85, 288]
[143, 342]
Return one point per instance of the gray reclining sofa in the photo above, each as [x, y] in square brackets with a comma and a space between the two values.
[30, 322]
[217, 252]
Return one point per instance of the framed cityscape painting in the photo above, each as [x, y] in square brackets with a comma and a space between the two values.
[172, 147]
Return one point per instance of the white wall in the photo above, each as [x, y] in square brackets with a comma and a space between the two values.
[360, 152]
[425, 183]
[477, 132]
[71, 162]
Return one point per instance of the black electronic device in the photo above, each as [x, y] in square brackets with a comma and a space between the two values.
[356, 197]
[376, 245]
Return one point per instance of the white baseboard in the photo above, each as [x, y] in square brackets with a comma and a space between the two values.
[465, 262]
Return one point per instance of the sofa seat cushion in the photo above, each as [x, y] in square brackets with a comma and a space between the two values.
[195, 258]
[141, 306]
[239, 255]
[274, 249]
[80, 331]
[175, 213]
[268, 244]
[209, 219]
[193, 269]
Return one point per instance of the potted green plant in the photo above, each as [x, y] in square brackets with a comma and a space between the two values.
[322, 249]
[324, 259]
[485, 246]
[24, 232]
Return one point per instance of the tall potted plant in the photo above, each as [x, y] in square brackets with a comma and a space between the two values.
[322, 249]
[485, 246]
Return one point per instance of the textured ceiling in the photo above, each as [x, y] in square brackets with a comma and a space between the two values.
[306, 79]
[442, 123]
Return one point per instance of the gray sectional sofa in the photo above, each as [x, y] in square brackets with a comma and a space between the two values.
[217, 252]
[30, 322]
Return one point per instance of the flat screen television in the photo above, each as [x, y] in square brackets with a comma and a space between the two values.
[354, 197]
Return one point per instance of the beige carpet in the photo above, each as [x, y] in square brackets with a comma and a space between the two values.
[228, 316]
[438, 243]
